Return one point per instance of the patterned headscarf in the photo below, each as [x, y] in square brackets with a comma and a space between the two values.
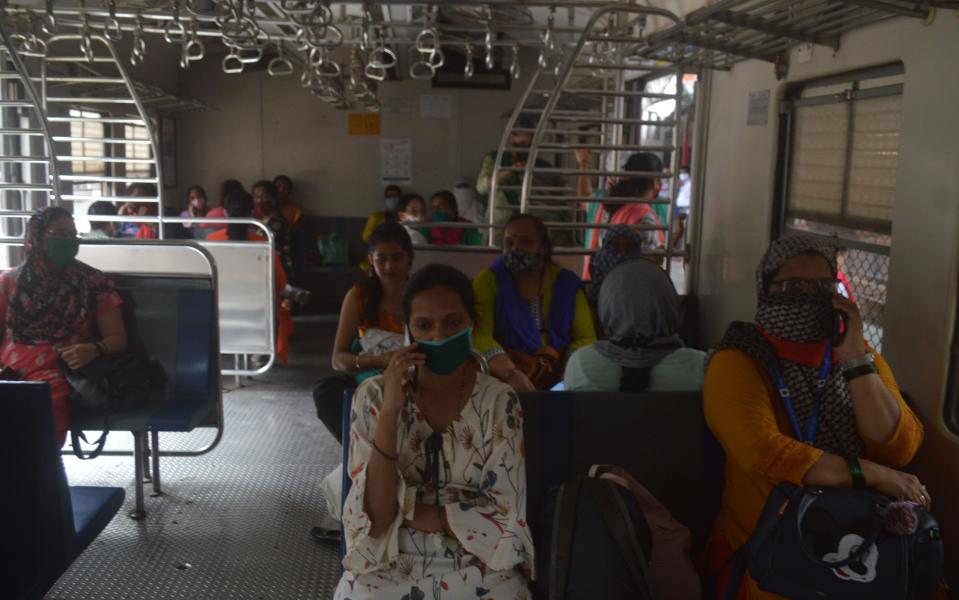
[800, 319]
[50, 306]
[608, 257]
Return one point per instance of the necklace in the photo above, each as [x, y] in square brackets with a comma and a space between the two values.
[420, 393]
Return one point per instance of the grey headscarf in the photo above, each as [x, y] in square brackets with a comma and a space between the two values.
[639, 308]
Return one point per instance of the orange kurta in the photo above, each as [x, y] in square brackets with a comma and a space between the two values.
[746, 416]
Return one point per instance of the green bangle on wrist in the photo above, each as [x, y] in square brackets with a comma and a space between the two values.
[860, 371]
[855, 470]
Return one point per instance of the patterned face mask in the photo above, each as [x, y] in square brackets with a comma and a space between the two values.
[802, 318]
[521, 261]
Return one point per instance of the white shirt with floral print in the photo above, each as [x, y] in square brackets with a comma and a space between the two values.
[482, 485]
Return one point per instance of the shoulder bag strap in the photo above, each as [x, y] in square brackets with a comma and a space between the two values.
[76, 436]
[616, 516]
[564, 521]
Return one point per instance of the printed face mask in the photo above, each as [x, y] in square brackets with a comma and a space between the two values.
[445, 356]
[521, 261]
[802, 318]
[61, 251]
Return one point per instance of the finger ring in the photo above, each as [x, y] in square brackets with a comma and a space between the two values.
[922, 499]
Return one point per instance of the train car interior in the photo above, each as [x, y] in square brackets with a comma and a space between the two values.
[236, 209]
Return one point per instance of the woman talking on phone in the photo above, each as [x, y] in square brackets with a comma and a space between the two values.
[437, 506]
[799, 397]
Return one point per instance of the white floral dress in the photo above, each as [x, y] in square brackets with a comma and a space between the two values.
[482, 484]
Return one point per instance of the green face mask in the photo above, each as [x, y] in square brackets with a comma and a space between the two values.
[441, 217]
[445, 356]
[61, 251]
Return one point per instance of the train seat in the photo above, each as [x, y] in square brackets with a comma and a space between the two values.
[49, 523]
[173, 319]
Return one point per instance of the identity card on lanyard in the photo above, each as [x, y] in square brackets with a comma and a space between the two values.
[807, 434]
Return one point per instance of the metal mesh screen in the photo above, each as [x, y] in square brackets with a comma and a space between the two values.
[863, 271]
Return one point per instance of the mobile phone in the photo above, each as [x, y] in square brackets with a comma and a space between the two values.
[411, 373]
[840, 327]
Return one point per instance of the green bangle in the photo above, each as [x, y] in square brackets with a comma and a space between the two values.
[860, 371]
[855, 469]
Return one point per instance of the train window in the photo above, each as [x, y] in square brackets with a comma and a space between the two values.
[137, 149]
[837, 175]
[85, 134]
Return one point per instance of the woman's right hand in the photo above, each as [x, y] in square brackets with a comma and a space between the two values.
[899, 485]
[395, 376]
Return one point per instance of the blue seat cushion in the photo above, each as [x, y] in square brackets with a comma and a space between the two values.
[93, 508]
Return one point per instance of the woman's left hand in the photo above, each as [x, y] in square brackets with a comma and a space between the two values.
[78, 356]
[853, 343]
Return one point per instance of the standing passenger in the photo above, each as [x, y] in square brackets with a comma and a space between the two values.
[438, 502]
[264, 208]
[532, 313]
[761, 400]
[639, 309]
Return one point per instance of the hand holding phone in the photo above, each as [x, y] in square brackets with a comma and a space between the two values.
[848, 336]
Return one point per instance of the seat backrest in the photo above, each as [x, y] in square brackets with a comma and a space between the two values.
[173, 320]
[661, 438]
[38, 529]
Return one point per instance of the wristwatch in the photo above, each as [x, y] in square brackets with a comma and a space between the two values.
[859, 361]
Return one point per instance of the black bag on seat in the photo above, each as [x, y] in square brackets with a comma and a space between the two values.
[595, 543]
[819, 543]
[110, 385]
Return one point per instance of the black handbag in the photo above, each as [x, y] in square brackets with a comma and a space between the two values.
[109, 385]
[820, 543]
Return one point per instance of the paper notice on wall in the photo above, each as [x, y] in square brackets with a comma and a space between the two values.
[758, 113]
[396, 105]
[396, 160]
[435, 106]
[367, 123]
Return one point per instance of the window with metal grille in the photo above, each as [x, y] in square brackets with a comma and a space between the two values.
[837, 175]
[137, 151]
[87, 145]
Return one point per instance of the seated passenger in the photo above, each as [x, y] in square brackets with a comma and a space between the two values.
[287, 207]
[532, 313]
[391, 198]
[239, 204]
[639, 214]
[219, 212]
[55, 307]
[760, 399]
[409, 211]
[438, 500]
[620, 243]
[639, 309]
[102, 230]
[264, 209]
[147, 231]
[198, 206]
[135, 209]
[371, 323]
[445, 210]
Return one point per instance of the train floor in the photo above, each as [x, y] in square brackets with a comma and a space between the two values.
[233, 523]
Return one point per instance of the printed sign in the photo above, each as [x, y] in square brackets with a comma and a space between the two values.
[758, 108]
[396, 160]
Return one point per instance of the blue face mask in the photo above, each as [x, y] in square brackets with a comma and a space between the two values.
[391, 202]
[445, 356]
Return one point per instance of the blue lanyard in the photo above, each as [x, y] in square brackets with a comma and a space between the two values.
[809, 436]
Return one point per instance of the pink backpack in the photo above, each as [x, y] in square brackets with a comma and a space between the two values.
[672, 575]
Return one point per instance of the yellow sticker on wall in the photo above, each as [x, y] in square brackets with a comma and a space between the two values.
[367, 123]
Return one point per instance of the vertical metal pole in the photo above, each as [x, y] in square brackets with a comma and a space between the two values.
[155, 462]
[138, 511]
[236, 363]
[674, 167]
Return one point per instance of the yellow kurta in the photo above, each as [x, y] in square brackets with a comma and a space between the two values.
[744, 412]
[583, 332]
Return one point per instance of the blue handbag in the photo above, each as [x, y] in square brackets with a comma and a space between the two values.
[821, 543]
